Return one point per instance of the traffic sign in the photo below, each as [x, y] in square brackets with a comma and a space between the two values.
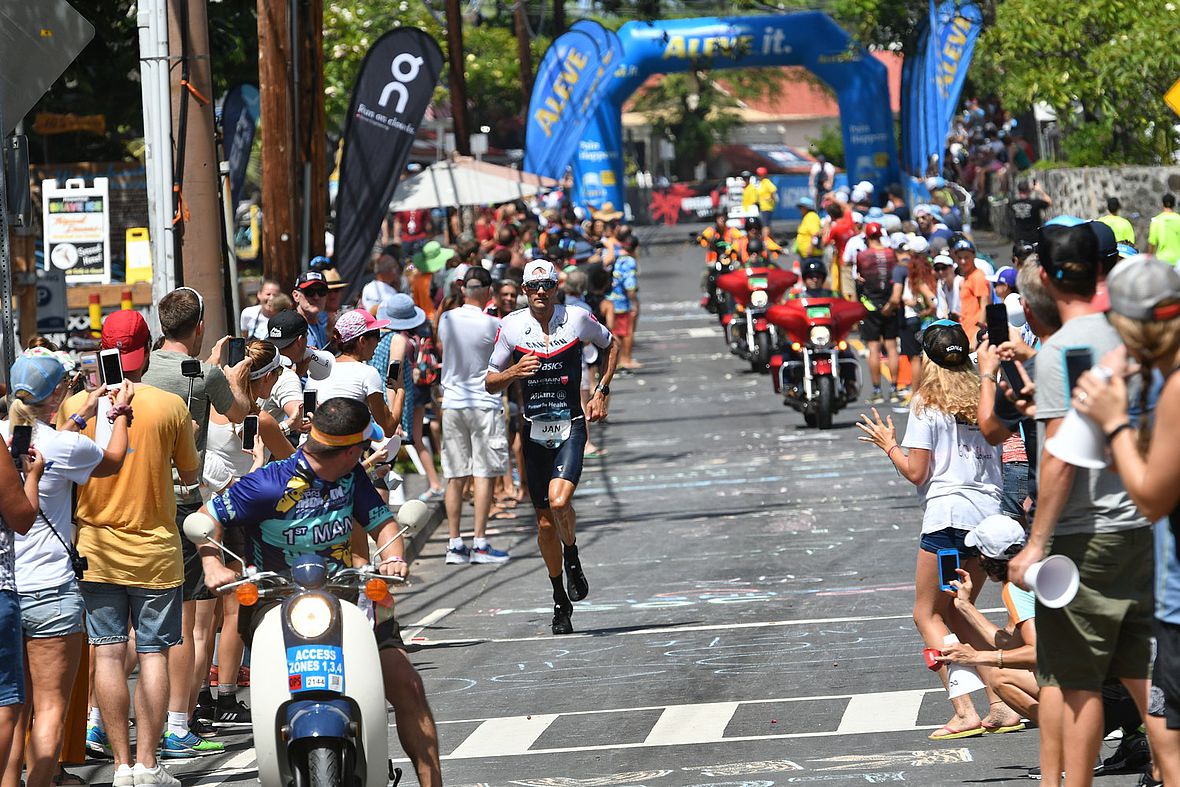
[37, 42]
[1172, 97]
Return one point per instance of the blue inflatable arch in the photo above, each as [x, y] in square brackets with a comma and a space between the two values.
[809, 39]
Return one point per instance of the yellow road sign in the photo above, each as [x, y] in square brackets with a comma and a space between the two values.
[1172, 97]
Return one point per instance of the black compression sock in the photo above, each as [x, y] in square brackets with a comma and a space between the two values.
[570, 552]
[559, 595]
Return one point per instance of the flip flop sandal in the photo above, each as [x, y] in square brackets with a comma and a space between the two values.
[953, 734]
[501, 516]
[1001, 730]
[596, 454]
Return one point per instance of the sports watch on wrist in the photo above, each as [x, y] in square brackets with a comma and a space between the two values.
[603, 389]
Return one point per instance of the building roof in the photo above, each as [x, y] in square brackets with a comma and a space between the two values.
[799, 96]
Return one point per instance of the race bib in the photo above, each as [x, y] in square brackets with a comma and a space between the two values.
[549, 432]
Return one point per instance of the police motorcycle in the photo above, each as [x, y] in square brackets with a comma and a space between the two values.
[718, 301]
[317, 696]
[754, 288]
[816, 373]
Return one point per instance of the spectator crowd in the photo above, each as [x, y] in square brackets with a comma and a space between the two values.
[1088, 331]
[96, 581]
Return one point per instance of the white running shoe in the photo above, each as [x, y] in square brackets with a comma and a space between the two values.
[124, 777]
[153, 776]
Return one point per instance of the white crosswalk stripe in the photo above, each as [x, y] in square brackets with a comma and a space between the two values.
[693, 725]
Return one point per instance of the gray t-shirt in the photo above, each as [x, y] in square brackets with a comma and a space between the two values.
[164, 373]
[1098, 502]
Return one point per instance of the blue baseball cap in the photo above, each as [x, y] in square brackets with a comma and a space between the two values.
[806, 202]
[37, 375]
[962, 243]
[1005, 275]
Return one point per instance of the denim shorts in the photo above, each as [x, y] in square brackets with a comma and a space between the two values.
[1015, 490]
[12, 650]
[154, 614]
[948, 538]
[53, 612]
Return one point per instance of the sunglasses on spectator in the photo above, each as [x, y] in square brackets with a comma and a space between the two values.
[315, 292]
[543, 284]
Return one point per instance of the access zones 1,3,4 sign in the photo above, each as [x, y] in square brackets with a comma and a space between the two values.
[77, 226]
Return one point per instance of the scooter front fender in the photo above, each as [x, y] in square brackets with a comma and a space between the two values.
[319, 719]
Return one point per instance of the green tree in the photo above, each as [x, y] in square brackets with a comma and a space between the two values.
[491, 66]
[104, 79]
[1103, 65]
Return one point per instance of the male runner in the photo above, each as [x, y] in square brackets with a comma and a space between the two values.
[542, 347]
[310, 504]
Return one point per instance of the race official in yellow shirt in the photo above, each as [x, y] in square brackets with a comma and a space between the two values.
[809, 232]
[767, 196]
[1122, 229]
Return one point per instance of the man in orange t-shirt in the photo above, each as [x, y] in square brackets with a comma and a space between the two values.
[975, 293]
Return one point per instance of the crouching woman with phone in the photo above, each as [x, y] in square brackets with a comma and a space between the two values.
[958, 478]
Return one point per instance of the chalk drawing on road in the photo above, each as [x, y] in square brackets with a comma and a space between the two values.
[598, 781]
[745, 768]
[914, 759]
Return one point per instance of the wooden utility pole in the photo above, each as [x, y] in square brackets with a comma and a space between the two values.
[524, 53]
[198, 231]
[558, 17]
[316, 139]
[280, 189]
[458, 81]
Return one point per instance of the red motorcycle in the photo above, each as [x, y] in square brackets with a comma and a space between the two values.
[817, 374]
[754, 289]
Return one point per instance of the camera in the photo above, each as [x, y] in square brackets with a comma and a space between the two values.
[78, 563]
[191, 368]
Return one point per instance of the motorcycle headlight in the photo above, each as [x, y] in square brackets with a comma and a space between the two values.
[758, 299]
[310, 616]
[821, 336]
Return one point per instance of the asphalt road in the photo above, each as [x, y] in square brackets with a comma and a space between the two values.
[749, 615]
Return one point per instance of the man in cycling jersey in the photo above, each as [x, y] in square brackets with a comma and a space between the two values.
[542, 347]
[317, 502]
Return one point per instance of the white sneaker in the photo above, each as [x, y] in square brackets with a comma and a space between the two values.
[154, 776]
[457, 556]
[124, 777]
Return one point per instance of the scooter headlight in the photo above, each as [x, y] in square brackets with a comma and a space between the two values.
[758, 299]
[310, 616]
[821, 336]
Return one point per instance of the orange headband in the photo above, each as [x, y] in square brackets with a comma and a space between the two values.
[337, 440]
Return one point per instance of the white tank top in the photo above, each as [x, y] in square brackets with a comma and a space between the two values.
[225, 440]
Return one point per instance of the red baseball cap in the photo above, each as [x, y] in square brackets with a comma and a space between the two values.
[127, 332]
[761, 172]
[872, 230]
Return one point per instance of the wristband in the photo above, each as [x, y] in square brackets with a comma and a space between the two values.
[79, 420]
[1113, 433]
[393, 559]
[889, 453]
[1000, 659]
[120, 409]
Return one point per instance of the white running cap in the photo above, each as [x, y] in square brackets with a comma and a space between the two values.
[539, 270]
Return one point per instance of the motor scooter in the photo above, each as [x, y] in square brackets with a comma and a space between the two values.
[317, 696]
[754, 289]
[816, 374]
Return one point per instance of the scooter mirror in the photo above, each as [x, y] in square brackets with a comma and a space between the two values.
[199, 528]
[413, 514]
